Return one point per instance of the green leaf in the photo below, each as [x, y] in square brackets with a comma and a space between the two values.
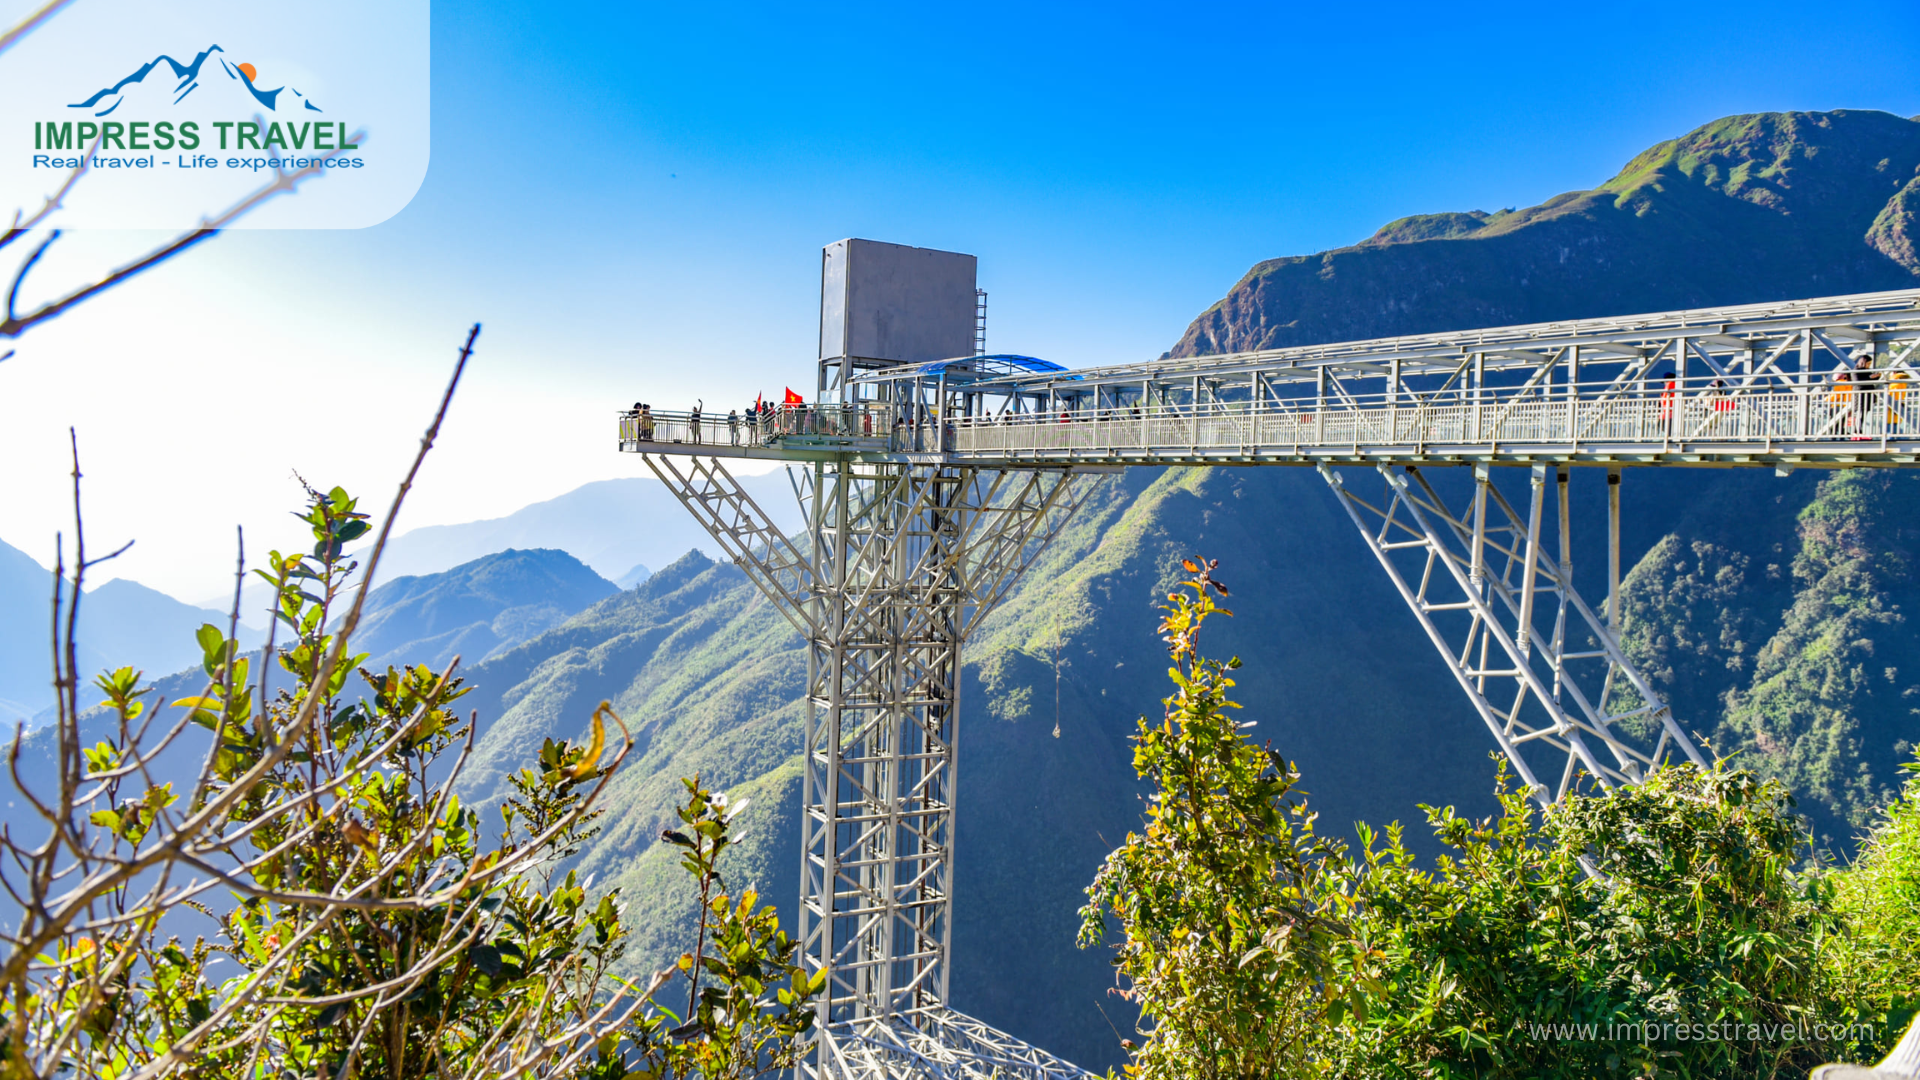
[485, 959]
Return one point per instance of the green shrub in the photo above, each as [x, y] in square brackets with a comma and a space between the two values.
[1877, 899]
[1672, 929]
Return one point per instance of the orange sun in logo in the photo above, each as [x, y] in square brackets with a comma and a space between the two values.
[249, 71]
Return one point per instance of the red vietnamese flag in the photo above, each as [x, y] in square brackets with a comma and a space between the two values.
[793, 398]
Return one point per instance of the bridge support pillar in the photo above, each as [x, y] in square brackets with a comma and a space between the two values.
[1559, 702]
[898, 563]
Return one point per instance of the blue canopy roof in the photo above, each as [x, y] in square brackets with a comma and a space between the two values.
[966, 368]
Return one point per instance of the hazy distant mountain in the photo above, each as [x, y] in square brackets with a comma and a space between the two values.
[618, 528]
[477, 609]
[610, 525]
[121, 623]
[26, 673]
[129, 623]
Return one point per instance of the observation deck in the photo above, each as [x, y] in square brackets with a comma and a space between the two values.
[1821, 383]
[933, 486]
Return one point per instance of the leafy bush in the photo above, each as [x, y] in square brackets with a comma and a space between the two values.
[1693, 949]
[1667, 929]
[1878, 900]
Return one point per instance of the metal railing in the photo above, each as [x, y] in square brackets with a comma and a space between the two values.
[1600, 414]
[1632, 418]
[866, 427]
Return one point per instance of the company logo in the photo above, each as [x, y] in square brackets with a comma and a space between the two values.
[210, 85]
[165, 115]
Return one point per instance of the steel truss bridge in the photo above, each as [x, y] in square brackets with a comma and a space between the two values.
[927, 489]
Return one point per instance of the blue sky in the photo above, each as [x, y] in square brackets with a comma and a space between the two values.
[631, 197]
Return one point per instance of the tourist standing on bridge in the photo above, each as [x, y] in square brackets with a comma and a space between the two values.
[1841, 397]
[1720, 401]
[1867, 386]
[1669, 390]
[693, 422]
[646, 422]
[733, 426]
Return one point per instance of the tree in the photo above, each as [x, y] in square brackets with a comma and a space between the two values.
[1878, 898]
[743, 1023]
[1694, 949]
[1230, 907]
[374, 934]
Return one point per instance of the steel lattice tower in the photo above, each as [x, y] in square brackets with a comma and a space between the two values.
[898, 564]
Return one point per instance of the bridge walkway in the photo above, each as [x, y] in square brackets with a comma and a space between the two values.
[1826, 383]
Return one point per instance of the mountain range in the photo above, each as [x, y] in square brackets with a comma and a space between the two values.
[475, 610]
[121, 622]
[607, 532]
[1761, 207]
[616, 527]
[1772, 610]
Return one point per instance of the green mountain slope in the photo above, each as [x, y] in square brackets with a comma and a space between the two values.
[1750, 208]
[710, 677]
[1784, 632]
[477, 608]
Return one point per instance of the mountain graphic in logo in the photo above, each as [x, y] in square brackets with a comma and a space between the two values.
[164, 80]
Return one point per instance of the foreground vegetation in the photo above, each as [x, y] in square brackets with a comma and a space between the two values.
[1698, 940]
[1677, 928]
[355, 918]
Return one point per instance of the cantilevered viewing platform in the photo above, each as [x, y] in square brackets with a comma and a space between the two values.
[1821, 383]
[928, 486]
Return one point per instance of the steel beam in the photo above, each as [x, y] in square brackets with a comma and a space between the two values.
[1473, 587]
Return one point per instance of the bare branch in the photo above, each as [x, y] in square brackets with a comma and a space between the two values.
[31, 23]
[54, 202]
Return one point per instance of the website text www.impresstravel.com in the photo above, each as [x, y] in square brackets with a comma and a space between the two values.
[1663, 1031]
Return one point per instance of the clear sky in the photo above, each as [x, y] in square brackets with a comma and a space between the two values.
[632, 198]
